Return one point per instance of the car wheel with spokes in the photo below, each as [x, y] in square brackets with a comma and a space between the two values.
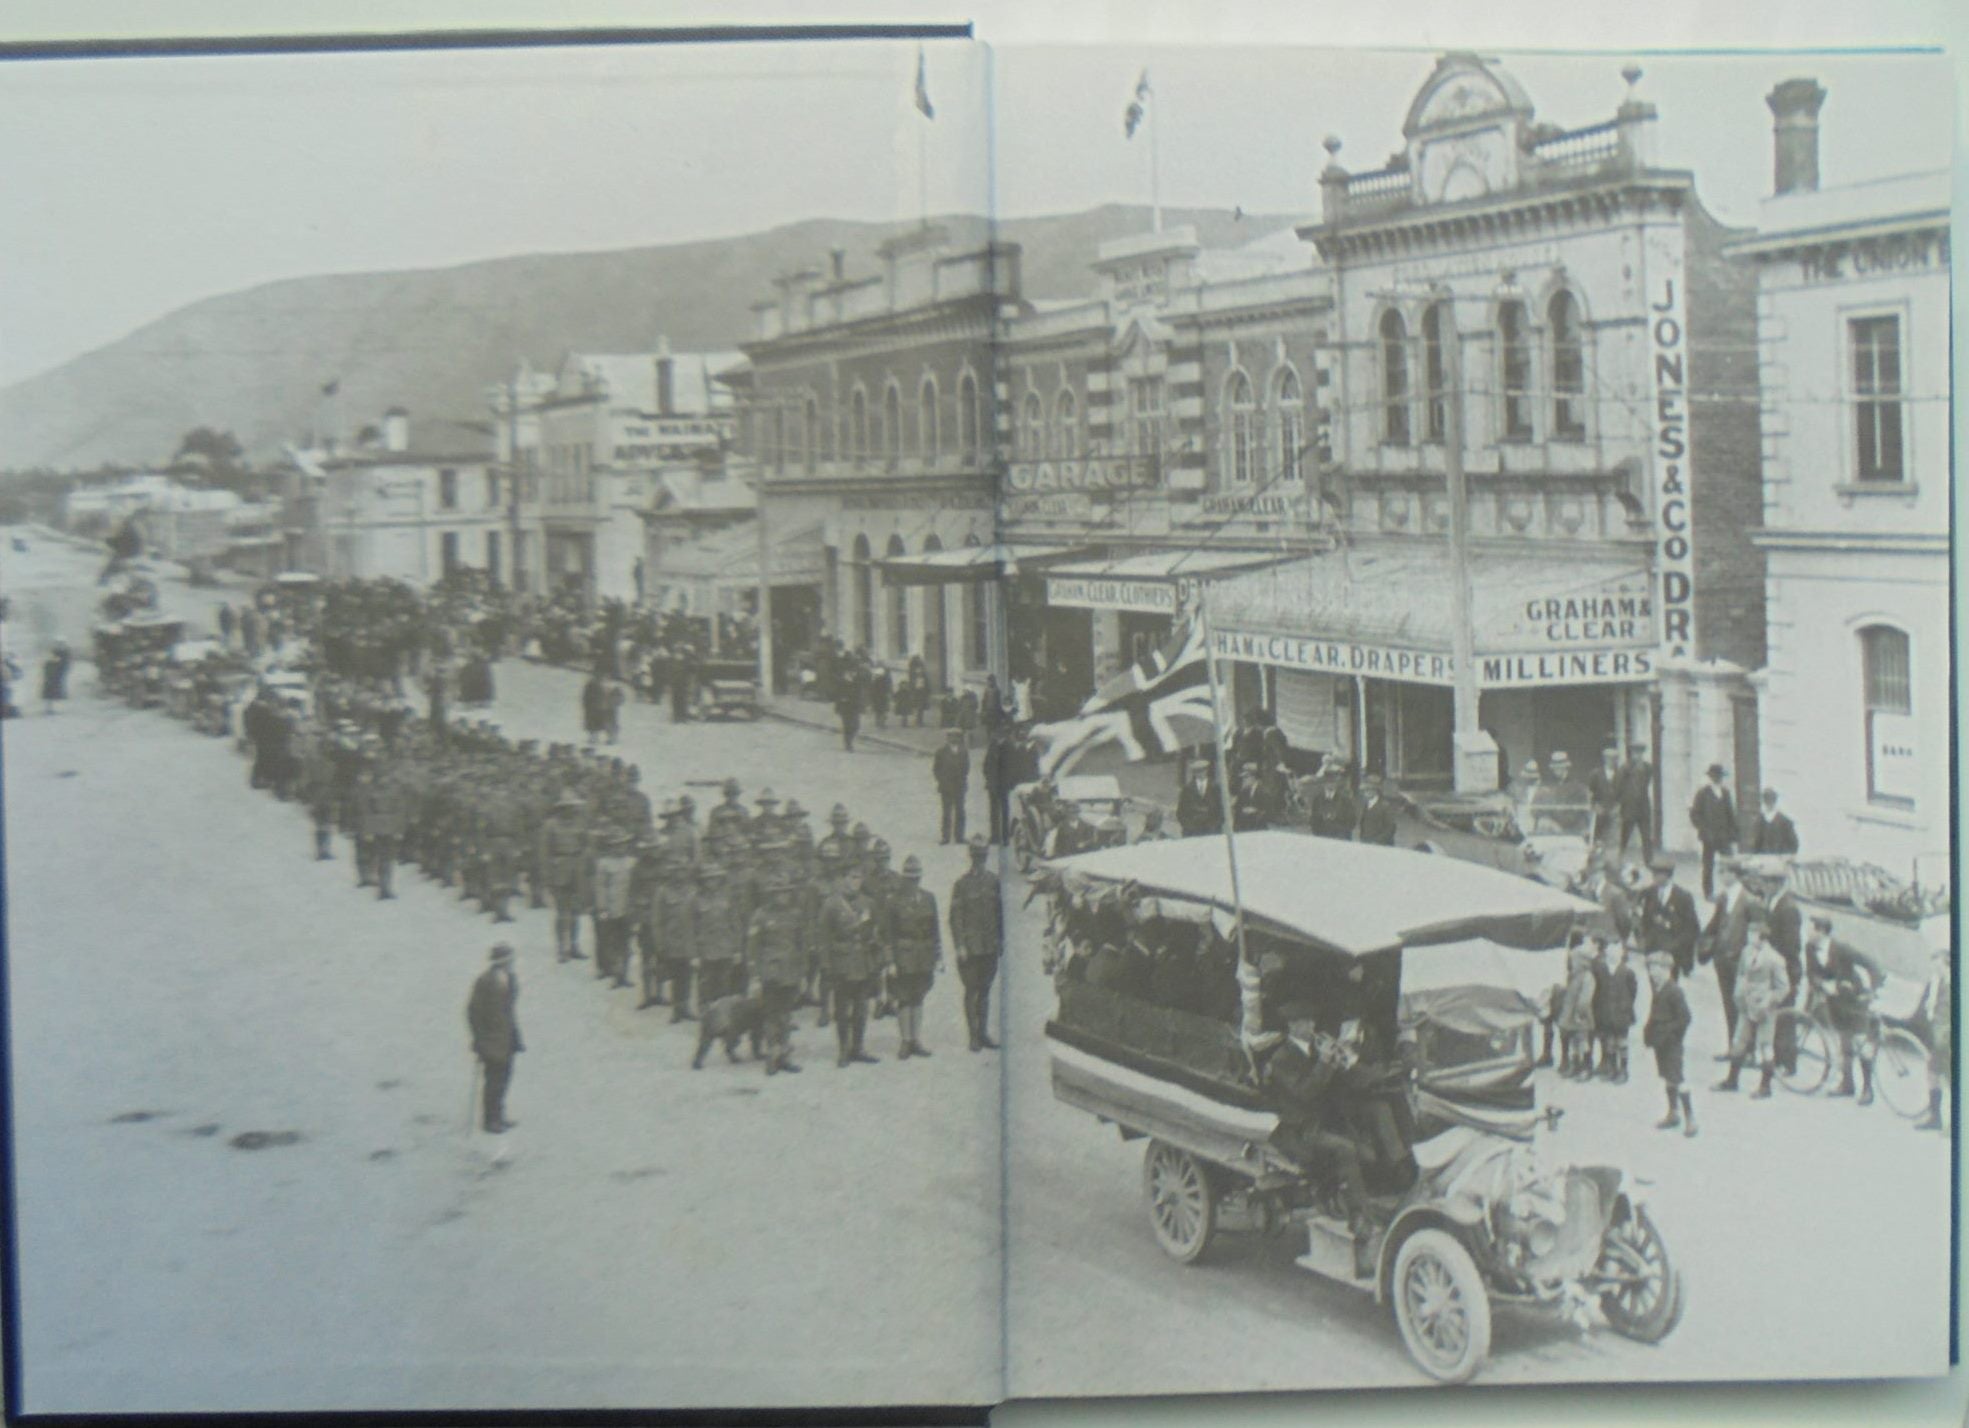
[1441, 1306]
[1182, 1201]
[1644, 1301]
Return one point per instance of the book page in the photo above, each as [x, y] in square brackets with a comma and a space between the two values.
[455, 960]
[1482, 578]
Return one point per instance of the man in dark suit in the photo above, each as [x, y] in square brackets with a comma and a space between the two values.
[1727, 934]
[1714, 813]
[1000, 757]
[1668, 918]
[951, 768]
[1377, 814]
[1637, 785]
[496, 1033]
[1603, 787]
[1775, 832]
[1198, 809]
[1847, 979]
[1331, 812]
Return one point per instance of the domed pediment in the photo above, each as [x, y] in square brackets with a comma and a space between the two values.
[1462, 91]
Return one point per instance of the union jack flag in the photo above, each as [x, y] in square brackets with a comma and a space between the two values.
[1153, 707]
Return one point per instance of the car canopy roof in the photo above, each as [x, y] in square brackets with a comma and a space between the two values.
[1352, 898]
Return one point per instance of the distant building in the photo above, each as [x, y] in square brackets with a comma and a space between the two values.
[414, 510]
[1853, 292]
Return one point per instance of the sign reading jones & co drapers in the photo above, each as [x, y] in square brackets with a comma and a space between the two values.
[1673, 474]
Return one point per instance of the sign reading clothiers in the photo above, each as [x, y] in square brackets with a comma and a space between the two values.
[1673, 476]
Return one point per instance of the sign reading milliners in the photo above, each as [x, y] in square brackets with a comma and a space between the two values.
[1674, 475]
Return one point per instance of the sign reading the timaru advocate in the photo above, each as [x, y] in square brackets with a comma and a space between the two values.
[1093, 592]
[1668, 347]
[1334, 656]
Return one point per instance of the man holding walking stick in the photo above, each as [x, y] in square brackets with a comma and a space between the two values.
[495, 1033]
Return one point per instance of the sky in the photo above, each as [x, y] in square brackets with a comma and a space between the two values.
[136, 186]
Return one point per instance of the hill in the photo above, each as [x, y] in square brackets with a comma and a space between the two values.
[254, 362]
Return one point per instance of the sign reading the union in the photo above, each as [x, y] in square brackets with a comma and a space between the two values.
[1090, 592]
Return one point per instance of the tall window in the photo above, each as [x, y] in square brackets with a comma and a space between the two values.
[858, 425]
[779, 438]
[1514, 368]
[810, 436]
[1568, 368]
[1437, 331]
[1877, 395]
[1241, 413]
[1066, 424]
[928, 435]
[969, 444]
[898, 606]
[892, 423]
[1145, 415]
[1032, 427]
[1394, 379]
[864, 570]
[1887, 675]
[1289, 403]
[448, 489]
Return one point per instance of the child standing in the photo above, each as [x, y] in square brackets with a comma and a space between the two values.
[1576, 1015]
[1667, 1028]
[1613, 1008]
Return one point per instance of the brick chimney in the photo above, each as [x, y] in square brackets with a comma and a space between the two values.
[1795, 105]
[396, 429]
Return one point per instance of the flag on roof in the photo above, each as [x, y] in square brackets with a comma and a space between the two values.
[923, 105]
[1138, 107]
[1154, 707]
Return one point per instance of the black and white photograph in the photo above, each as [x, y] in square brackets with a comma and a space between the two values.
[836, 721]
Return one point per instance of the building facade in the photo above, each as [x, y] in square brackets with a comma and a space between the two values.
[413, 511]
[868, 420]
[1853, 292]
[1542, 529]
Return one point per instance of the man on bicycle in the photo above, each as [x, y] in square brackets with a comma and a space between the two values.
[1845, 979]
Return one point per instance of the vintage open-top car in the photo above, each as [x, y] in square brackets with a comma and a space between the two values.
[1414, 977]
[728, 689]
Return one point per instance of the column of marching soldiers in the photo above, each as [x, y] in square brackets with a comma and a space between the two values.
[746, 918]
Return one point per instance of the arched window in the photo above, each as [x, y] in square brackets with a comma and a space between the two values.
[779, 439]
[1032, 427]
[1241, 422]
[1394, 379]
[1289, 403]
[1568, 368]
[858, 426]
[810, 438]
[1514, 370]
[898, 606]
[892, 423]
[968, 443]
[929, 436]
[1888, 675]
[1066, 424]
[864, 566]
[1438, 331]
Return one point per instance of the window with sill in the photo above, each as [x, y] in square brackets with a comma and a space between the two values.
[1289, 403]
[1514, 370]
[969, 442]
[892, 423]
[929, 436]
[858, 425]
[1145, 416]
[1032, 427]
[1568, 368]
[1887, 675]
[810, 436]
[1066, 425]
[1437, 332]
[1394, 379]
[1241, 426]
[448, 489]
[1877, 400]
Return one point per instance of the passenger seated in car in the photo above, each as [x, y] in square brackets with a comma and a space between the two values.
[1298, 1075]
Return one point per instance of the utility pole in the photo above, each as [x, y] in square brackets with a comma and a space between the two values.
[1475, 752]
[515, 477]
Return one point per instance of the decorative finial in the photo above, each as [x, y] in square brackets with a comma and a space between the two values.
[1331, 143]
[1632, 74]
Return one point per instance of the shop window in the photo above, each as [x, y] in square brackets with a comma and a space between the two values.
[1886, 671]
[864, 576]
[898, 606]
[1394, 379]
[929, 437]
[1241, 423]
[1437, 331]
[1289, 404]
[1066, 425]
[1568, 368]
[1514, 364]
[969, 443]
[1877, 398]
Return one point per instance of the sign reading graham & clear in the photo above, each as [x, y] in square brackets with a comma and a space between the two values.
[1668, 348]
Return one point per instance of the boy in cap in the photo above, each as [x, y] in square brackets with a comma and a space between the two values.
[1613, 1008]
[1666, 1030]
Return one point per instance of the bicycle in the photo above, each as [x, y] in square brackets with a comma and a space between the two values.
[1898, 1056]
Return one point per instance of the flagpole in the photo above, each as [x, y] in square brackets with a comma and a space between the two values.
[923, 169]
[1155, 174]
[1223, 772]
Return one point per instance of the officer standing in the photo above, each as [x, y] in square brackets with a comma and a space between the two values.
[728, 819]
[977, 938]
[772, 942]
[847, 946]
[718, 937]
[563, 851]
[915, 948]
[615, 870]
[495, 1029]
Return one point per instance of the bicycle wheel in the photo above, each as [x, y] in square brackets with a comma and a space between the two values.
[1811, 1063]
[1900, 1073]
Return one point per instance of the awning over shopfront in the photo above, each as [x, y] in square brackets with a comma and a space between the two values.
[1148, 581]
[1537, 619]
[971, 562]
[731, 557]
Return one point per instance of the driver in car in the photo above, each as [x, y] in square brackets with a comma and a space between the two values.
[1300, 1074]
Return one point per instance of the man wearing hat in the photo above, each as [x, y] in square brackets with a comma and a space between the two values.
[1713, 811]
[1000, 757]
[729, 819]
[793, 830]
[1667, 917]
[673, 914]
[495, 1029]
[847, 948]
[1561, 803]
[1603, 788]
[977, 939]
[1727, 935]
[1774, 832]
[772, 944]
[1664, 1033]
[615, 871]
[950, 766]
[563, 852]
[1331, 811]
[765, 823]
[880, 884]
[1762, 984]
[837, 844]
[1637, 791]
[1377, 814]
[717, 937]
[915, 950]
[382, 819]
[1847, 978]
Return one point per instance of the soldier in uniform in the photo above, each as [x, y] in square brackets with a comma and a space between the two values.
[318, 788]
[359, 824]
[915, 949]
[879, 884]
[503, 836]
[718, 937]
[728, 819]
[833, 853]
[765, 823]
[382, 816]
[795, 833]
[976, 937]
[773, 946]
[615, 870]
[847, 947]
[563, 844]
[675, 902]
